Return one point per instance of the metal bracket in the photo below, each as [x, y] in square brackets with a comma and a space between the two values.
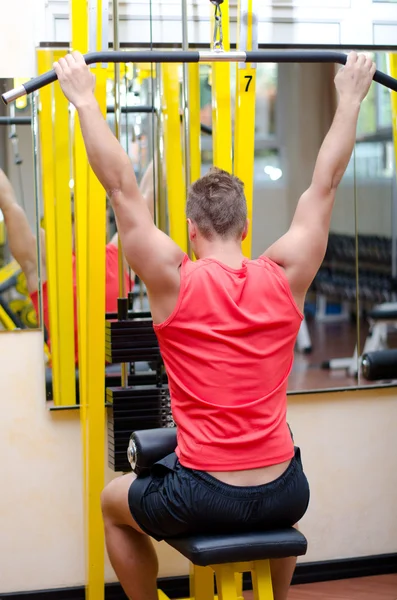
[218, 33]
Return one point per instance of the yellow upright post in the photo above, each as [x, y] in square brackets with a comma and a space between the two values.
[244, 129]
[90, 214]
[79, 17]
[393, 73]
[64, 248]
[55, 169]
[195, 130]
[44, 63]
[95, 319]
[176, 189]
[79, 21]
[221, 103]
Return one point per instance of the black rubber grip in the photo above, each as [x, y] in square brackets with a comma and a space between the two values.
[314, 57]
[147, 56]
[296, 56]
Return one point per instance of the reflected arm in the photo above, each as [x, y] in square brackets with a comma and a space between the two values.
[21, 241]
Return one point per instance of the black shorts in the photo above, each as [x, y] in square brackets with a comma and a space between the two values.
[174, 501]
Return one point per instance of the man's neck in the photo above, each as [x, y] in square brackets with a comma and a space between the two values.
[227, 252]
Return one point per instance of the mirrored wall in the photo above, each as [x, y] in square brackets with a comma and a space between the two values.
[377, 236]
[19, 274]
[295, 105]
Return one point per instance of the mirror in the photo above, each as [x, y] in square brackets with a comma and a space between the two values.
[328, 334]
[295, 105]
[58, 178]
[377, 231]
[19, 275]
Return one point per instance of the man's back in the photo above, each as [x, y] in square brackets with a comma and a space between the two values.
[230, 403]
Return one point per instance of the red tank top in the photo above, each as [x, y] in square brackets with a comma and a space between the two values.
[228, 349]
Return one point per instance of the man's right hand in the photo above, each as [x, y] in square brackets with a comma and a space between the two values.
[354, 80]
[76, 80]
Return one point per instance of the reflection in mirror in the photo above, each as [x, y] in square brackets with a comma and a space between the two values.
[377, 235]
[295, 105]
[328, 334]
[138, 132]
[19, 277]
[301, 103]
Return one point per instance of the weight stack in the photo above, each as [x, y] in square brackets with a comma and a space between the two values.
[146, 403]
[132, 409]
[131, 340]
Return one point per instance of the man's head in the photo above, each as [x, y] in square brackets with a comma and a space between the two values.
[216, 209]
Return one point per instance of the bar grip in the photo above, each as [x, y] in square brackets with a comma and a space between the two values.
[316, 57]
[180, 56]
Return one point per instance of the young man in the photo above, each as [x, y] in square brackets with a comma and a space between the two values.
[227, 328]
[23, 247]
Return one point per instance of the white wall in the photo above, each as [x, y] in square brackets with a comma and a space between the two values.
[348, 445]
[19, 36]
[41, 504]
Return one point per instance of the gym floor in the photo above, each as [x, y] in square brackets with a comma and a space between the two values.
[329, 340]
[383, 587]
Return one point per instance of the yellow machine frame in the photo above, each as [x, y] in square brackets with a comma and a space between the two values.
[244, 128]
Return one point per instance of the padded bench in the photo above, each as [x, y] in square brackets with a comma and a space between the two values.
[228, 556]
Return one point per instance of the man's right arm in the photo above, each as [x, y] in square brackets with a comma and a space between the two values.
[302, 249]
[149, 251]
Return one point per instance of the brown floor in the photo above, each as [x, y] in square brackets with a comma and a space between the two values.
[329, 340]
[383, 587]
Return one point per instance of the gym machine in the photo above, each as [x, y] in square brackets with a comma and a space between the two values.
[130, 337]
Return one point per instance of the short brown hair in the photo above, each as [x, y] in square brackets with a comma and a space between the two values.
[217, 205]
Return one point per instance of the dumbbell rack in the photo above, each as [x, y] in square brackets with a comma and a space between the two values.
[336, 279]
[145, 402]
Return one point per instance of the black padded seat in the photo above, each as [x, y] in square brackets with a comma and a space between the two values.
[386, 311]
[205, 550]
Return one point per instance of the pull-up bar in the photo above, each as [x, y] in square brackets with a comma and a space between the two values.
[194, 56]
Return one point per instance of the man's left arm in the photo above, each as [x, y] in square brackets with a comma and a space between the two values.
[301, 250]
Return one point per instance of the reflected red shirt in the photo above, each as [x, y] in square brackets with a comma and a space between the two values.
[112, 292]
